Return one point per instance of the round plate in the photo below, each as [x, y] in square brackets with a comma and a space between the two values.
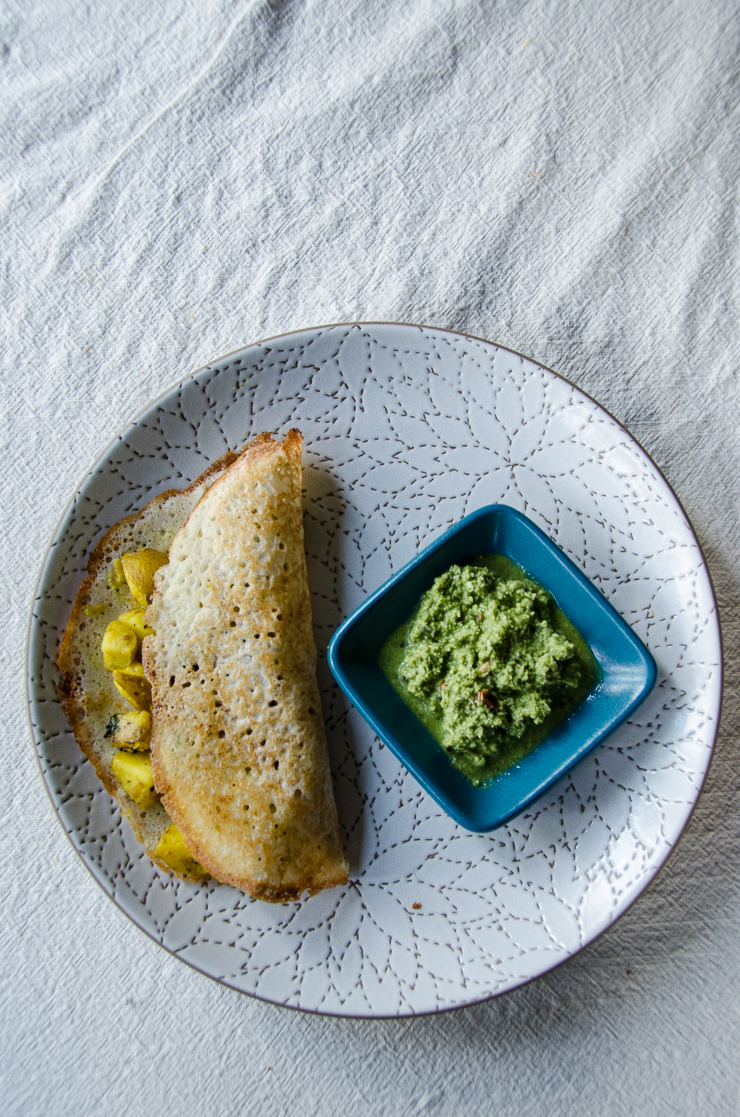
[406, 430]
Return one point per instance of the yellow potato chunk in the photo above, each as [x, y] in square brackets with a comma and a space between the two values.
[134, 773]
[133, 731]
[119, 646]
[134, 618]
[173, 851]
[139, 568]
[132, 684]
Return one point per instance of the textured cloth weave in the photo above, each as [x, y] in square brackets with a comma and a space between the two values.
[180, 179]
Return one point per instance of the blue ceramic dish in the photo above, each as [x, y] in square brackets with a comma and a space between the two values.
[627, 668]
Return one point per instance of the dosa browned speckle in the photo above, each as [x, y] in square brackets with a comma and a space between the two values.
[239, 749]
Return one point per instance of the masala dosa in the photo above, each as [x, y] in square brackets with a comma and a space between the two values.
[85, 688]
[238, 746]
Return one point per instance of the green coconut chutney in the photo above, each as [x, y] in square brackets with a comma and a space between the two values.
[489, 664]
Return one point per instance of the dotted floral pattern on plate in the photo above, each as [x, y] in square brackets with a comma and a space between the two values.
[406, 430]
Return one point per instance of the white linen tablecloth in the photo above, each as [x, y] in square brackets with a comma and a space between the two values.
[179, 179]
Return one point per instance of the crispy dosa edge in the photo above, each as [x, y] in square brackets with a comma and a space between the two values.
[261, 446]
[70, 687]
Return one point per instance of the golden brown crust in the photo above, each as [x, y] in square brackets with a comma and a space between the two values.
[238, 746]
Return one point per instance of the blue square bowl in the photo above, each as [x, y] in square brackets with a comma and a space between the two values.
[627, 668]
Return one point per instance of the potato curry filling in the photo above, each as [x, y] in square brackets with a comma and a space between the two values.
[131, 732]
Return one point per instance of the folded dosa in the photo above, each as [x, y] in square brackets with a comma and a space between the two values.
[85, 688]
[238, 746]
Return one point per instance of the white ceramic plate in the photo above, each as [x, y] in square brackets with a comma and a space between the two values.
[407, 429]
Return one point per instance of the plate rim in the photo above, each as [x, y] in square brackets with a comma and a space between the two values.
[29, 642]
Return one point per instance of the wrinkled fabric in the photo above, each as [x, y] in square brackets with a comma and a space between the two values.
[177, 180]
